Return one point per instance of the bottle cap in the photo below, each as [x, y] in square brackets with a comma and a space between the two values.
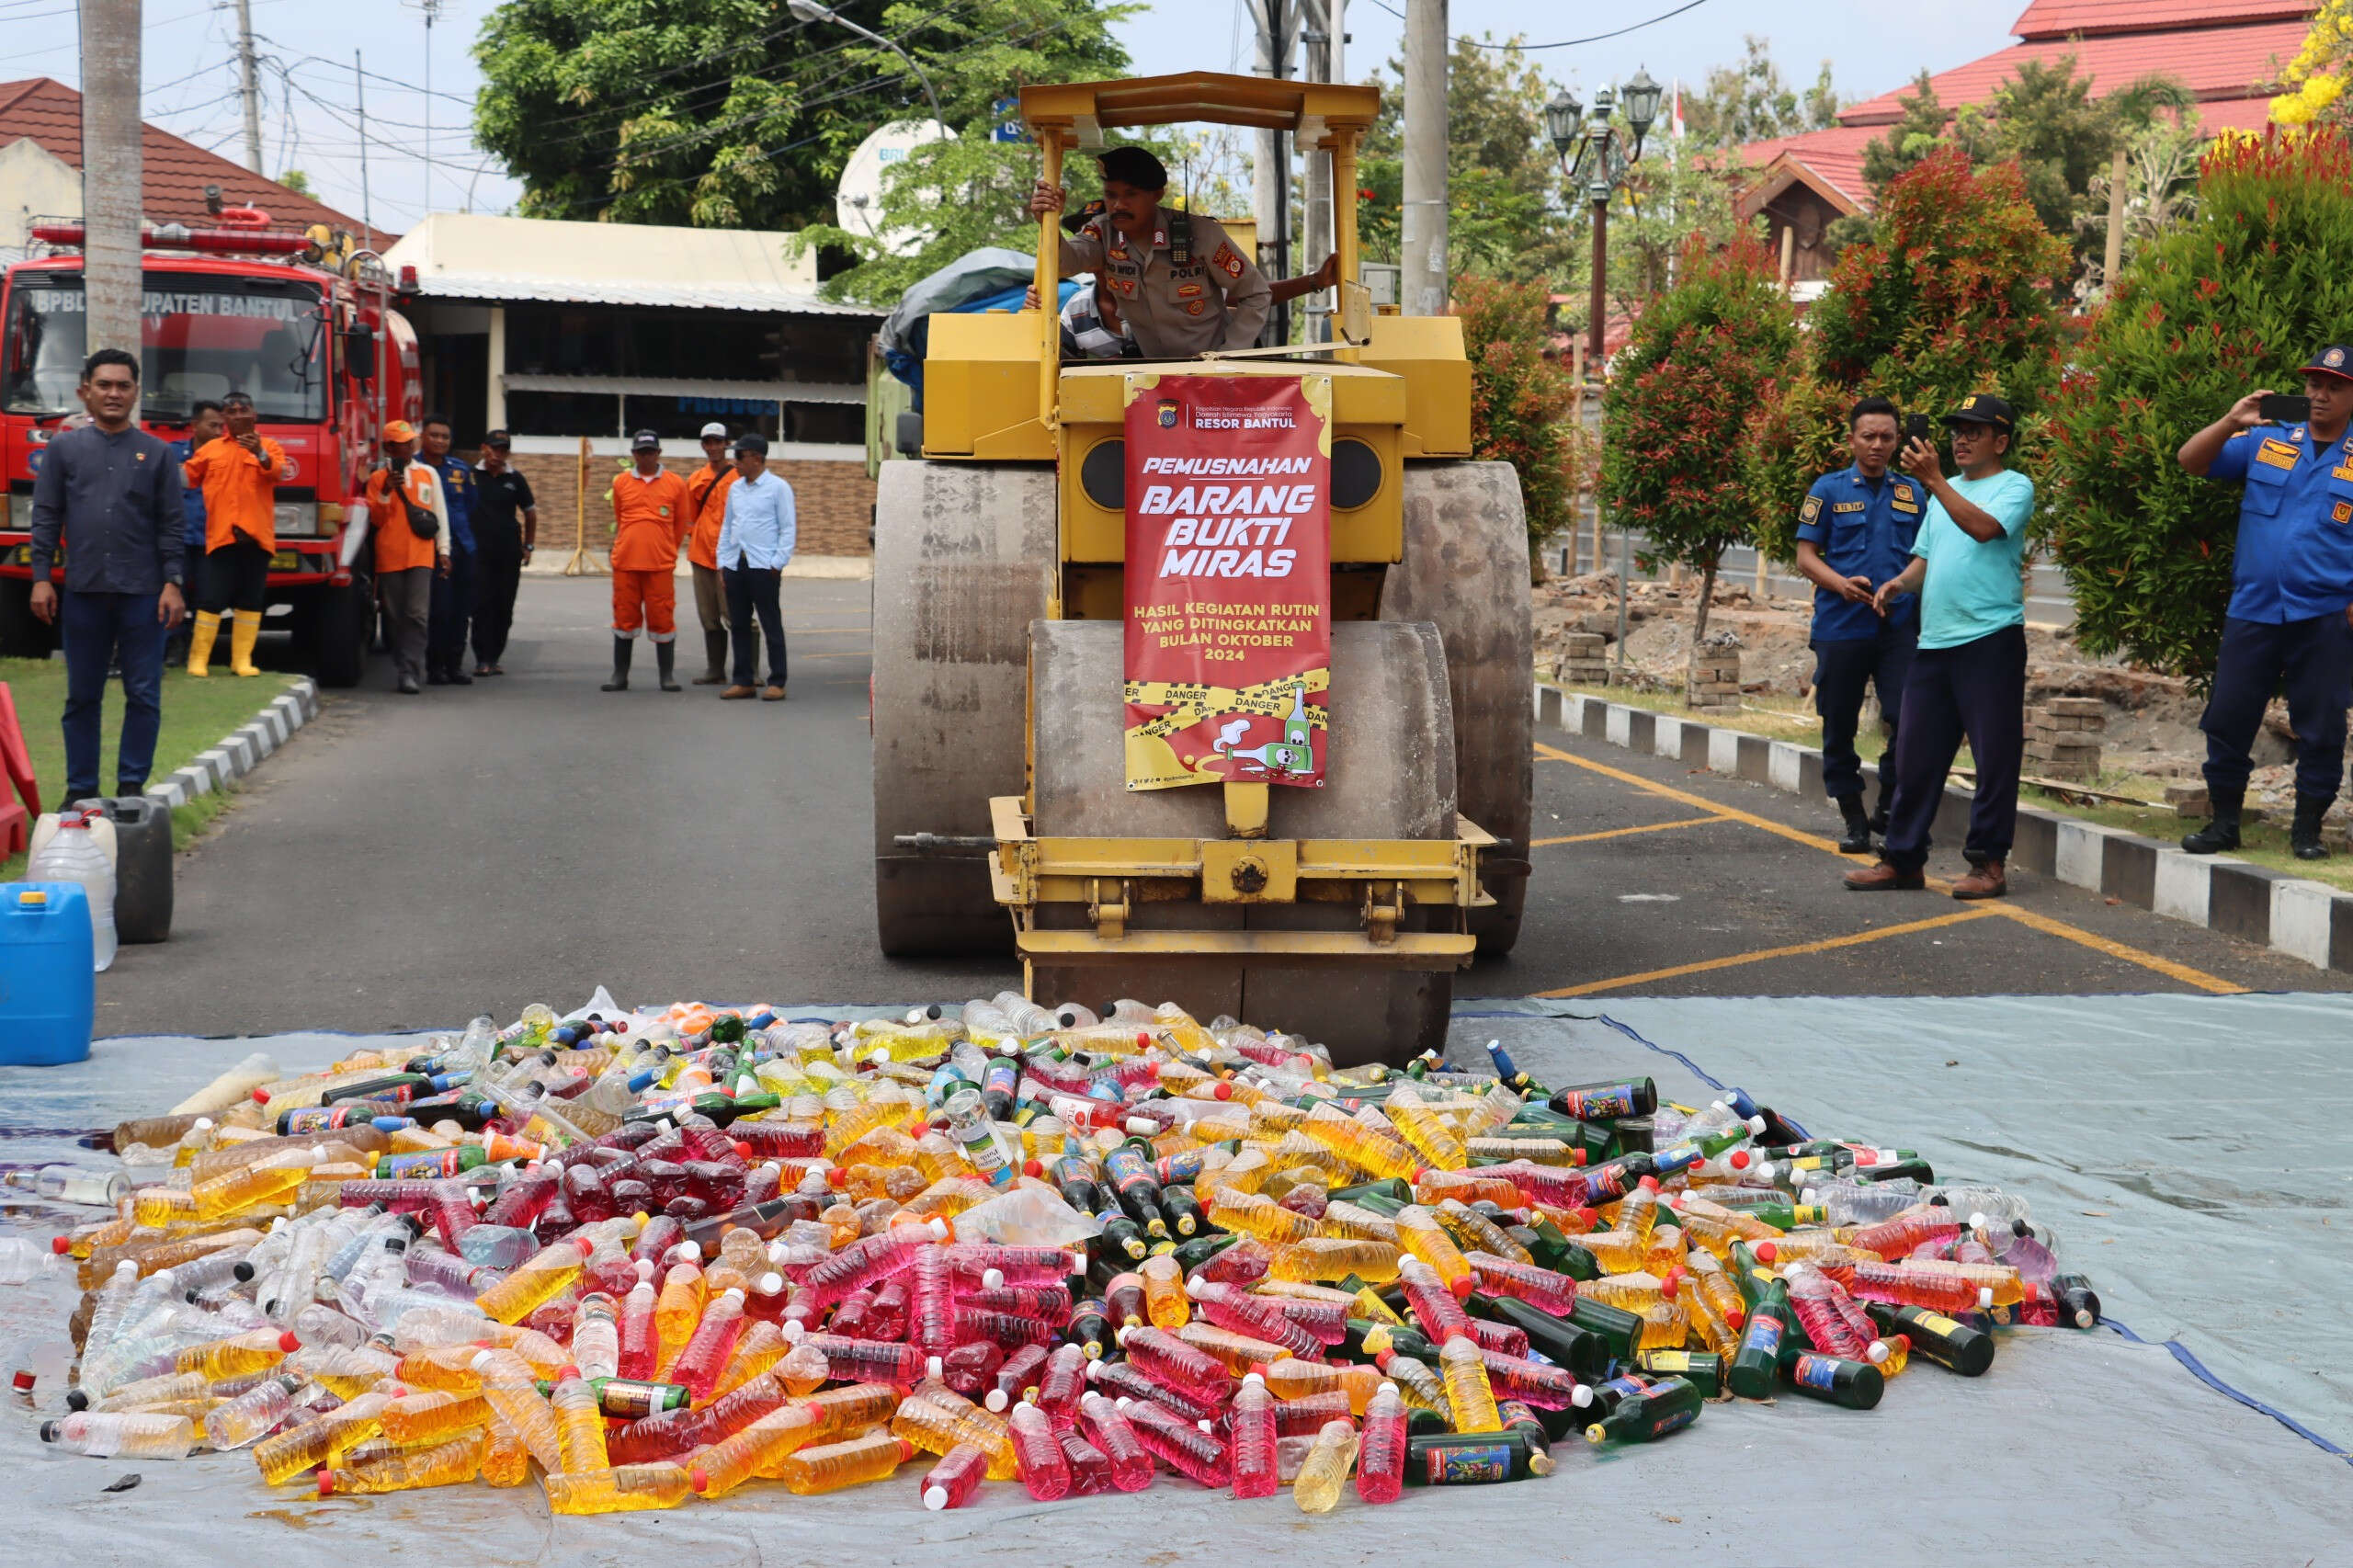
[934, 1497]
[933, 1367]
[1582, 1398]
[288, 1343]
[700, 1479]
[1767, 1252]
[60, 1245]
[1877, 1353]
[1255, 1376]
[1984, 1297]
[906, 1450]
[326, 1484]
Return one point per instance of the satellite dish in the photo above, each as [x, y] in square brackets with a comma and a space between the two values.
[858, 201]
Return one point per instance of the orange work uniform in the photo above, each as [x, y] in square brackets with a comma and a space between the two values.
[708, 493]
[398, 548]
[649, 517]
[240, 489]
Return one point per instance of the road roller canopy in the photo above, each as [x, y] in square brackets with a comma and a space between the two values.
[1081, 110]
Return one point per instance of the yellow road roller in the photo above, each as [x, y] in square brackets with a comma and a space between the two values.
[1005, 819]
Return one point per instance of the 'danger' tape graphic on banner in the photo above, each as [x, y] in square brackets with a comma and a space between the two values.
[1229, 578]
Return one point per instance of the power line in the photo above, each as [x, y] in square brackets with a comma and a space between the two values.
[1564, 43]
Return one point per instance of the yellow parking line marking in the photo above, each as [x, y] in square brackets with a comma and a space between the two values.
[1623, 832]
[2042, 923]
[1798, 949]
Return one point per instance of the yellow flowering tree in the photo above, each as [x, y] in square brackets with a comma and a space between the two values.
[2315, 78]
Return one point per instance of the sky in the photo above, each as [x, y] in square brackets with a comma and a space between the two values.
[420, 152]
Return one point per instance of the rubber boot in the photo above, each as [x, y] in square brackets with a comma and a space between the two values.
[2304, 837]
[200, 643]
[665, 659]
[243, 632]
[714, 653]
[2222, 832]
[1858, 826]
[621, 646]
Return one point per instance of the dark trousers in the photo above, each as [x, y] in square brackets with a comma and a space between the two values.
[2315, 660]
[1841, 670]
[96, 629]
[498, 574]
[752, 590]
[235, 576]
[453, 603]
[407, 594]
[1978, 690]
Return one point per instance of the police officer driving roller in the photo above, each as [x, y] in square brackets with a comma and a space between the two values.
[1183, 285]
[2291, 597]
[1855, 531]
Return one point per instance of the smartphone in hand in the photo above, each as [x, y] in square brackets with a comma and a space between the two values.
[2286, 408]
[1915, 428]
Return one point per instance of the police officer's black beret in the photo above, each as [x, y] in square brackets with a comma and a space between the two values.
[1134, 166]
[1985, 408]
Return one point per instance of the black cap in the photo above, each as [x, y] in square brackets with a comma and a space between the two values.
[77, 1399]
[1135, 167]
[2337, 360]
[644, 440]
[496, 438]
[752, 441]
[1984, 408]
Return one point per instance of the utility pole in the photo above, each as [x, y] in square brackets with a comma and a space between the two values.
[246, 88]
[432, 9]
[1276, 22]
[360, 102]
[1423, 223]
[113, 173]
[1320, 43]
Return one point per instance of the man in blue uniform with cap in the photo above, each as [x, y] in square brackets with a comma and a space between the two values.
[1855, 531]
[2291, 597]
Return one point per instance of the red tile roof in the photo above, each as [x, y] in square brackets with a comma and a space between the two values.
[49, 113]
[2062, 19]
[2213, 62]
[1834, 157]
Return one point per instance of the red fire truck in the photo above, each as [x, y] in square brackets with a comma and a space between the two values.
[302, 321]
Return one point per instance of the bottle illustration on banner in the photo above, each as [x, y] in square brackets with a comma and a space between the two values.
[1295, 753]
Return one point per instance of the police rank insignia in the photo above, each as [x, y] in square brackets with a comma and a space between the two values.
[1227, 261]
[1811, 510]
[2342, 512]
[2276, 453]
[1847, 506]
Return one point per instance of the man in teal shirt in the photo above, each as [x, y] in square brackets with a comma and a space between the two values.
[1969, 678]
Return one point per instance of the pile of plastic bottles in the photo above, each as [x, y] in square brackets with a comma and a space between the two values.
[668, 1255]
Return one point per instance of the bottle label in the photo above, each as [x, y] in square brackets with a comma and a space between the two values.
[1673, 1420]
[1814, 1372]
[421, 1166]
[313, 1119]
[1765, 1335]
[1468, 1466]
[1598, 1105]
[633, 1399]
[1672, 1361]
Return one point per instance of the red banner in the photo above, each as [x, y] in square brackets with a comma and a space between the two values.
[1229, 578]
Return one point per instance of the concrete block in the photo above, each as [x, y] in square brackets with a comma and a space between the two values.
[2131, 872]
[2078, 853]
[1723, 752]
[306, 692]
[1618, 726]
[2182, 884]
[1641, 724]
[1667, 736]
[274, 722]
[2036, 847]
[192, 782]
[1781, 765]
[1596, 720]
[2238, 900]
[1755, 757]
[2301, 917]
[1809, 770]
[1951, 824]
[2076, 707]
[1548, 704]
[169, 794]
[223, 765]
[263, 735]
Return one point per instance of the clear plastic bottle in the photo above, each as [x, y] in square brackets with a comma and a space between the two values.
[537, 1282]
[1325, 1470]
[73, 854]
[118, 1435]
[72, 1183]
[1043, 1466]
[836, 1466]
[252, 1414]
[432, 1415]
[256, 1351]
[1250, 1439]
[1419, 1232]
[579, 1424]
[1441, 1314]
[1469, 1395]
[1420, 1127]
[710, 1346]
[595, 1336]
[1107, 1428]
[1191, 1448]
[513, 1395]
[320, 1442]
[1381, 1458]
[505, 1461]
[1163, 1291]
[408, 1470]
[759, 1448]
[954, 1480]
[625, 1489]
[1825, 1326]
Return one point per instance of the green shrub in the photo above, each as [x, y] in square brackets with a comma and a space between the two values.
[2238, 299]
[1520, 398]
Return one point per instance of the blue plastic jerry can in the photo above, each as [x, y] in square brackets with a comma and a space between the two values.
[49, 999]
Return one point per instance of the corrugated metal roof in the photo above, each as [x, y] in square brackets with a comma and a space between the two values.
[2061, 19]
[2213, 62]
[49, 113]
[526, 286]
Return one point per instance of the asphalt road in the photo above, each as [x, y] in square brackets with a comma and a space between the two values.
[408, 862]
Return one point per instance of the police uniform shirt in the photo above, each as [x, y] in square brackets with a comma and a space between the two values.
[1175, 305]
[1864, 527]
[2295, 545]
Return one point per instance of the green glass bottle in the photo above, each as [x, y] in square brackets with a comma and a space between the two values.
[1703, 1369]
[1666, 1407]
[1833, 1380]
[1946, 1341]
[1756, 1366]
[1564, 1344]
[1474, 1459]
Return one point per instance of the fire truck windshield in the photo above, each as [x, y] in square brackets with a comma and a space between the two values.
[201, 335]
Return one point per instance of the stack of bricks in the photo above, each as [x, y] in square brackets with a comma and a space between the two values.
[1583, 660]
[833, 501]
[2063, 738]
[1715, 684]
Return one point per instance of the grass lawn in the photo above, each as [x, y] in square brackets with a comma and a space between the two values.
[197, 714]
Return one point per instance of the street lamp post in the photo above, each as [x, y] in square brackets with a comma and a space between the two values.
[1603, 159]
[811, 11]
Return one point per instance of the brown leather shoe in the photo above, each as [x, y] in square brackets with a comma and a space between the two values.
[1984, 880]
[736, 694]
[773, 694]
[1885, 878]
